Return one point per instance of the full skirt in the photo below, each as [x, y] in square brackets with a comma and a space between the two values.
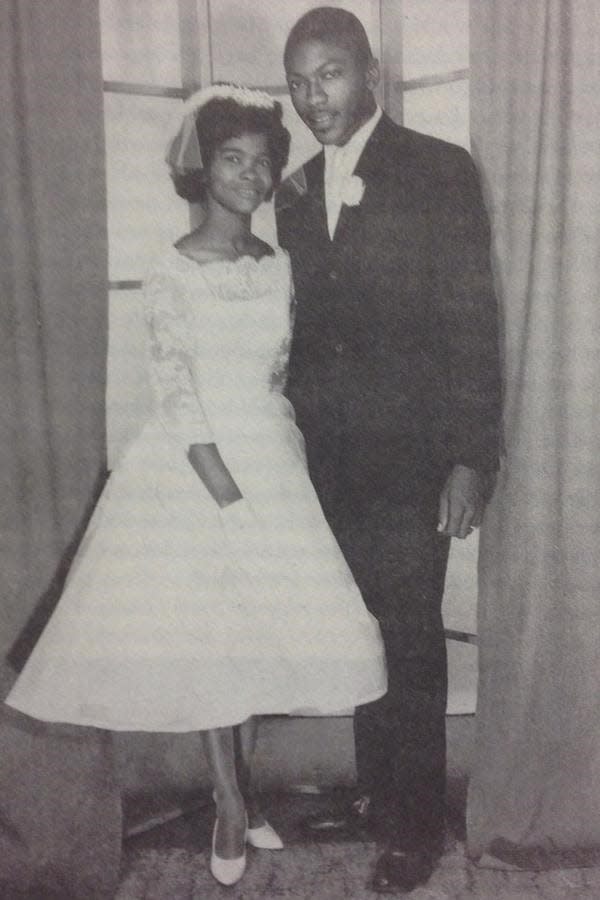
[167, 624]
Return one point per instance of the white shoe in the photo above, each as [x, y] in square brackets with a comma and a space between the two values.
[264, 837]
[226, 871]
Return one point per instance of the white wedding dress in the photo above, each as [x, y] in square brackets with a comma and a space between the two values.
[177, 616]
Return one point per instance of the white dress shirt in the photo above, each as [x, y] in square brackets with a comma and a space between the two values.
[340, 163]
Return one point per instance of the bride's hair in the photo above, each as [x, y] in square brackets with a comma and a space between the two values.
[222, 118]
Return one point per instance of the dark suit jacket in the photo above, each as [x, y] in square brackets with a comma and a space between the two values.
[394, 370]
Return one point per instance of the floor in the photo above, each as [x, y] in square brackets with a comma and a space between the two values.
[169, 861]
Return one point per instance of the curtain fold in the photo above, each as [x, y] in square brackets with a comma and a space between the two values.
[52, 454]
[534, 797]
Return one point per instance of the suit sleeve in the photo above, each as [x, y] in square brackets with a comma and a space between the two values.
[468, 321]
[171, 373]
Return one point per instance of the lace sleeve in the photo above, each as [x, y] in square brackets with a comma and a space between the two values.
[170, 359]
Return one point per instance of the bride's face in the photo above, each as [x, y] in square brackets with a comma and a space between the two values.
[240, 173]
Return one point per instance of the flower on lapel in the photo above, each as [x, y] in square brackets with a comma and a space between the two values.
[353, 189]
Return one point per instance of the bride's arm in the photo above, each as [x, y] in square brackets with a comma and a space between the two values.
[179, 404]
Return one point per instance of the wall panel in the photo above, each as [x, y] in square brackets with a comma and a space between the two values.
[144, 213]
[435, 36]
[442, 110]
[140, 41]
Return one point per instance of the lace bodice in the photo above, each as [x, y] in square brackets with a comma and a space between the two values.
[219, 337]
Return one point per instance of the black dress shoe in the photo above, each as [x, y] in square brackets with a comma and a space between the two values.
[402, 870]
[356, 818]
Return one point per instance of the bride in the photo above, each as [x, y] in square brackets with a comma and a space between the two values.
[209, 588]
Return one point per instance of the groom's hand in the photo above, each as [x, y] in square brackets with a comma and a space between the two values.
[462, 502]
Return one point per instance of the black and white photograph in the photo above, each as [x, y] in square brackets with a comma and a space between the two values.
[300, 449]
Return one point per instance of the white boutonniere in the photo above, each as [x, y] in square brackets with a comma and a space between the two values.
[353, 190]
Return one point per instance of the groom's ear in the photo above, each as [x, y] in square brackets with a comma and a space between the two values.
[373, 74]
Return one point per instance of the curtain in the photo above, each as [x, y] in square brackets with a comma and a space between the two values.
[59, 809]
[534, 797]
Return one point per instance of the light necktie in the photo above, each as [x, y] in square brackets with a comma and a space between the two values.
[334, 176]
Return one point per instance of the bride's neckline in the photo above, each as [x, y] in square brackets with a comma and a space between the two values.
[228, 263]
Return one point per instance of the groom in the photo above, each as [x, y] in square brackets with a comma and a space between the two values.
[394, 376]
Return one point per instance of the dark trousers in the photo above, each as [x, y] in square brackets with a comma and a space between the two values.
[399, 562]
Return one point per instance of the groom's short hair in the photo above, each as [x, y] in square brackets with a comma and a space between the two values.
[332, 26]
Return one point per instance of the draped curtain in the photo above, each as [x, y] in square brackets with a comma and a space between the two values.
[534, 797]
[59, 811]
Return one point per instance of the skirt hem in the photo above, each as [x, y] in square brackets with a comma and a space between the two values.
[298, 709]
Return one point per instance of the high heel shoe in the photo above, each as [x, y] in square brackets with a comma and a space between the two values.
[227, 871]
[264, 837]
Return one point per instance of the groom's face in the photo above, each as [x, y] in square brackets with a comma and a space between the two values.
[332, 90]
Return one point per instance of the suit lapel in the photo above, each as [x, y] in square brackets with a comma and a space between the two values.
[371, 168]
[369, 165]
[315, 212]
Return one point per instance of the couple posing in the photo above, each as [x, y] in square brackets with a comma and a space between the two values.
[210, 586]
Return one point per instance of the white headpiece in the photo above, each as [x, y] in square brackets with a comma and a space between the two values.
[183, 149]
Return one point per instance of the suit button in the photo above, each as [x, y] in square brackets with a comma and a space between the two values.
[339, 349]
[333, 275]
